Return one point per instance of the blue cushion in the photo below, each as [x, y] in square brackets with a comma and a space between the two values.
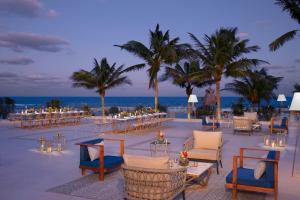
[211, 124]
[84, 154]
[270, 166]
[283, 122]
[109, 162]
[246, 177]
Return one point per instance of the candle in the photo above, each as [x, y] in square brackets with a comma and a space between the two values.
[273, 143]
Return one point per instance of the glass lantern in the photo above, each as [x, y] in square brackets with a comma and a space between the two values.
[267, 141]
[42, 144]
[59, 140]
[49, 147]
[281, 141]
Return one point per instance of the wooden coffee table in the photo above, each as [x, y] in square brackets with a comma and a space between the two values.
[197, 173]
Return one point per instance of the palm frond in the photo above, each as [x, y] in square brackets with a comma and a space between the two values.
[276, 44]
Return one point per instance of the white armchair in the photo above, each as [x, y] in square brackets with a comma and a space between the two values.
[242, 124]
[205, 146]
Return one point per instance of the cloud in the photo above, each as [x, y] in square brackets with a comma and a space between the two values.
[19, 41]
[17, 61]
[32, 80]
[243, 34]
[52, 13]
[24, 8]
[297, 60]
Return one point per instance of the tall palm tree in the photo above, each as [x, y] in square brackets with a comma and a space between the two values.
[297, 87]
[293, 8]
[255, 86]
[162, 51]
[222, 53]
[102, 78]
[188, 76]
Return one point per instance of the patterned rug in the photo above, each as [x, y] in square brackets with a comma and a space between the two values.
[90, 187]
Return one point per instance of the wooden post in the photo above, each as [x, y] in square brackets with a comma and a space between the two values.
[276, 180]
[234, 178]
[121, 147]
[101, 160]
[241, 157]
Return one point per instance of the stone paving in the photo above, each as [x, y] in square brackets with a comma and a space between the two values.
[28, 174]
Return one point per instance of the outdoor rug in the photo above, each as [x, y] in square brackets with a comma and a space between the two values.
[111, 188]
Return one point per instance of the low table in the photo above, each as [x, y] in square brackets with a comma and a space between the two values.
[197, 173]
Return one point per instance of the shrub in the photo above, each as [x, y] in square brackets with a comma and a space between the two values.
[54, 103]
[203, 111]
[238, 108]
[266, 112]
[87, 109]
[113, 110]
[7, 105]
[162, 108]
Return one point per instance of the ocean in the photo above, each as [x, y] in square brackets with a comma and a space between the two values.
[95, 102]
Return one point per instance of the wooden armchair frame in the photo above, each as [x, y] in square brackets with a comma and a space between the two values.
[280, 129]
[101, 168]
[235, 186]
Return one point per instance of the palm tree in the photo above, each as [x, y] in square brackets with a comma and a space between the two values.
[222, 53]
[293, 8]
[162, 51]
[255, 86]
[102, 78]
[296, 87]
[188, 76]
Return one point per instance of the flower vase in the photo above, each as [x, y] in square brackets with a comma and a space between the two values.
[183, 161]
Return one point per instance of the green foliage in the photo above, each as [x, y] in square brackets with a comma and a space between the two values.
[113, 110]
[86, 108]
[54, 103]
[140, 108]
[204, 111]
[223, 54]
[162, 108]
[187, 76]
[293, 8]
[255, 86]
[238, 108]
[7, 105]
[266, 112]
[296, 87]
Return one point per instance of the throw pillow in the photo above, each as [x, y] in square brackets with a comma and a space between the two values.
[259, 170]
[94, 151]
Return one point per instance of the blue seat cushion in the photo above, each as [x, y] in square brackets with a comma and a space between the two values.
[246, 177]
[279, 126]
[211, 124]
[109, 162]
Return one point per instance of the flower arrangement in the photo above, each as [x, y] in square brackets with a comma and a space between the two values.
[161, 137]
[183, 158]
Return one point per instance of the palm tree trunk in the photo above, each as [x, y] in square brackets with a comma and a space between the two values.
[155, 94]
[102, 108]
[218, 100]
[188, 108]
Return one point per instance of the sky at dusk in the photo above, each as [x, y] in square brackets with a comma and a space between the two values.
[42, 42]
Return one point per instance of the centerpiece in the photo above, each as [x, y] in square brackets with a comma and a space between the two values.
[183, 158]
[161, 137]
